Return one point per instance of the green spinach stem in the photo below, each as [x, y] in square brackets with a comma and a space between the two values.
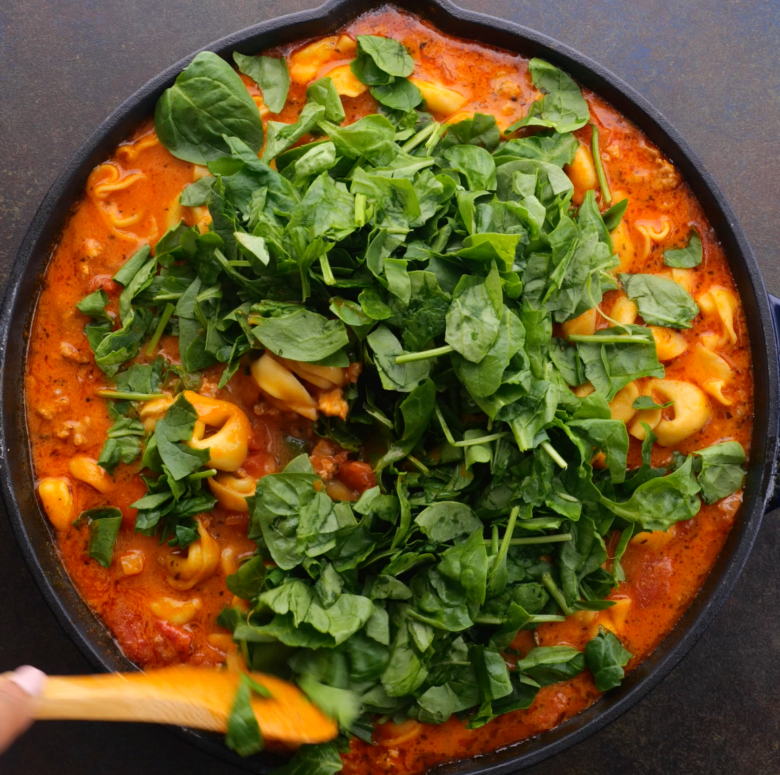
[424, 355]
[158, 332]
[605, 192]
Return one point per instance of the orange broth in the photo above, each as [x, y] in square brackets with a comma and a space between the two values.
[663, 571]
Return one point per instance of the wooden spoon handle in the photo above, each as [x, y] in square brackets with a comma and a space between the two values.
[184, 696]
[121, 697]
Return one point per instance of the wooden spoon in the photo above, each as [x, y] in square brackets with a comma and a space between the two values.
[184, 696]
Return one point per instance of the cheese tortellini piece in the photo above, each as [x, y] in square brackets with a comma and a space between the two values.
[668, 342]
[439, 98]
[721, 304]
[622, 405]
[229, 446]
[279, 383]
[652, 232]
[178, 612]
[232, 490]
[87, 470]
[624, 311]
[582, 172]
[201, 561]
[623, 244]
[57, 499]
[691, 410]
[582, 324]
[712, 372]
[345, 82]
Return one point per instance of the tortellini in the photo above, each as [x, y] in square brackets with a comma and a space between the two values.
[652, 231]
[582, 172]
[691, 410]
[305, 63]
[279, 383]
[623, 245]
[439, 98]
[712, 372]
[174, 611]
[722, 304]
[668, 342]
[622, 405]
[229, 445]
[232, 490]
[624, 311]
[57, 499]
[85, 469]
[582, 324]
[345, 82]
[200, 563]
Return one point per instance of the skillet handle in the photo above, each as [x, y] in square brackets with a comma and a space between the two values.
[773, 502]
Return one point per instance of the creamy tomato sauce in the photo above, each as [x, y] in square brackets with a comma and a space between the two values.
[133, 197]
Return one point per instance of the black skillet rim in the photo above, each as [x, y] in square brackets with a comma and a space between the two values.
[34, 537]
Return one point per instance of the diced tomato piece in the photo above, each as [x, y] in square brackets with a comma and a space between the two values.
[260, 464]
[357, 475]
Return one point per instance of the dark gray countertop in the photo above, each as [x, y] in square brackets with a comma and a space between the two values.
[711, 66]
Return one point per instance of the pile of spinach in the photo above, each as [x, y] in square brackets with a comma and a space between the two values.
[439, 257]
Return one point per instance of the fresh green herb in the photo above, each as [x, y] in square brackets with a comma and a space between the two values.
[207, 102]
[606, 659]
[687, 257]
[104, 524]
[661, 302]
[270, 74]
[646, 402]
[562, 107]
[722, 470]
[243, 731]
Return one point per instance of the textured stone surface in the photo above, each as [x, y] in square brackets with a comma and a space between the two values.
[709, 65]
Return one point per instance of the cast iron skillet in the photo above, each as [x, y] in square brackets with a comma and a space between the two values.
[16, 475]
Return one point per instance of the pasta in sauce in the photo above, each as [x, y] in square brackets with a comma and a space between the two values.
[161, 603]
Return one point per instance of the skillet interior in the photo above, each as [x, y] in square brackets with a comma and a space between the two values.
[16, 476]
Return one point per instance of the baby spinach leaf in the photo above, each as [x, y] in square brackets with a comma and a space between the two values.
[207, 101]
[445, 521]
[606, 659]
[320, 759]
[197, 193]
[475, 163]
[614, 215]
[301, 336]
[661, 302]
[611, 366]
[341, 705]
[123, 443]
[324, 93]
[401, 94]
[247, 581]
[647, 402]
[553, 148]
[94, 306]
[416, 411]
[562, 106]
[722, 470]
[243, 732]
[481, 129]
[104, 524]
[380, 60]
[474, 316]
[270, 74]
[174, 428]
[688, 256]
[403, 377]
[659, 503]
